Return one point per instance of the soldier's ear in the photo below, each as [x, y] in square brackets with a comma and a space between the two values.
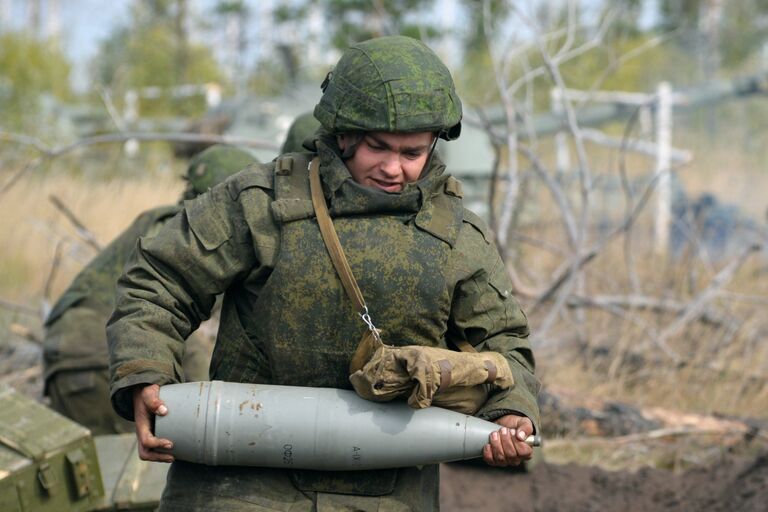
[343, 141]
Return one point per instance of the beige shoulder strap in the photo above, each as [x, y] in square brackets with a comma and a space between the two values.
[331, 239]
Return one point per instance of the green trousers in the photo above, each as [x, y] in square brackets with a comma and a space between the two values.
[83, 396]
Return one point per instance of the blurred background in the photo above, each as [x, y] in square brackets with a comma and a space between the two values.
[618, 150]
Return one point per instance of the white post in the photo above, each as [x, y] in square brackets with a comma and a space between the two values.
[663, 164]
[53, 23]
[131, 115]
[645, 119]
[212, 95]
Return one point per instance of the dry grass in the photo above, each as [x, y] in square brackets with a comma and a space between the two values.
[614, 354]
[32, 227]
[723, 368]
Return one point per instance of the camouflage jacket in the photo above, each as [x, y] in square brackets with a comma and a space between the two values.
[75, 336]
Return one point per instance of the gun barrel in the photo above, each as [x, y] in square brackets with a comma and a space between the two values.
[225, 423]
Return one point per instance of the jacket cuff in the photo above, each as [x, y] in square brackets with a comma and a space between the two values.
[121, 391]
[512, 401]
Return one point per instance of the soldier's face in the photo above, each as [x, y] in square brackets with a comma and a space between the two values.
[388, 161]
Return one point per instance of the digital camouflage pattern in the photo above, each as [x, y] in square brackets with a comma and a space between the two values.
[75, 356]
[453, 380]
[303, 127]
[237, 489]
[390, 84]
[213, 166]
[428, 271]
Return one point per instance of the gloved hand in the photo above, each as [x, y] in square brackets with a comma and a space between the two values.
[430, 376]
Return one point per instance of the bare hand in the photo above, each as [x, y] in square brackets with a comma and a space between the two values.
[506, 446]
[147, 404]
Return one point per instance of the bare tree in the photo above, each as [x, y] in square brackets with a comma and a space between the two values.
[559, 298]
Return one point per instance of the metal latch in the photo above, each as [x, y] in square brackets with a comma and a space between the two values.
[47, 477]
[78, 465]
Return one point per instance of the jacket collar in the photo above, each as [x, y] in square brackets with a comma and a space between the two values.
[347, 197]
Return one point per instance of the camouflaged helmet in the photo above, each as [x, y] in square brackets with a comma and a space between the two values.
[303, 126]
[390, 84]
[214, 165]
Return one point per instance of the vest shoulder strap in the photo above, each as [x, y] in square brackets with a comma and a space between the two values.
[255, 175]
[479, 224]
[293, 199]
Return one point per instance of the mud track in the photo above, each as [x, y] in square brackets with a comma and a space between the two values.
[733, 483]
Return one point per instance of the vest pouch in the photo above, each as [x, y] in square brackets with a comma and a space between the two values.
[374, 482]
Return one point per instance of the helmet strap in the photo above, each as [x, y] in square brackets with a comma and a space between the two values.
[431, 152]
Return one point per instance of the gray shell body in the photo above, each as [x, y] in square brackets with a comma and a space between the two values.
[225, 423]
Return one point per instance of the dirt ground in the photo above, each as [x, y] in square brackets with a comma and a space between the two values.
[734, 483]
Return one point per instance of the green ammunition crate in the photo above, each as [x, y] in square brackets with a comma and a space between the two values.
[47, 462]
[130, 484]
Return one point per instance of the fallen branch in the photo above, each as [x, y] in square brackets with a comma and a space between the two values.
[33, 372]
[574, 415]
[19, 308]
[654, 304]
[52, 275]
[695, 308]
[25, 332]
[85, 233]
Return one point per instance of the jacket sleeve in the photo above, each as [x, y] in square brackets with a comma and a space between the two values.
[170, 286]
[486, 314]
[94, 285]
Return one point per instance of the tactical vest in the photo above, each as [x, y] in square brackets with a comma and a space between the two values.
[307, 327]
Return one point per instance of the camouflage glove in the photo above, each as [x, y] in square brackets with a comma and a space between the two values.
[459, 381]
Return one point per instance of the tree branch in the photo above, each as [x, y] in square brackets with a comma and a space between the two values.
[579, 261]
[695, 308]
[19, 308]
[86, 234]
